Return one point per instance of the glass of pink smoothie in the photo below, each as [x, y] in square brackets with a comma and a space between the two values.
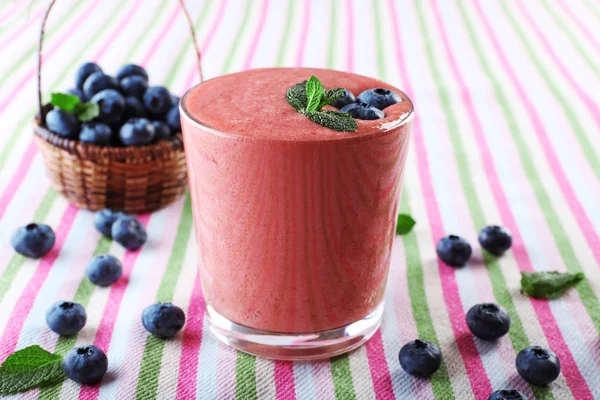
[294, 221]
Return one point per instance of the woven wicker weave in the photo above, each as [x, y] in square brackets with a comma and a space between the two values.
[133, 179]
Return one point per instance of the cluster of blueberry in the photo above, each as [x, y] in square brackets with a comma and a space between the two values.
[130, 112]
[368, 105]
[88, 364]
[487, 321]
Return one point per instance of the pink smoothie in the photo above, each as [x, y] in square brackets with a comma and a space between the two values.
[294, 221]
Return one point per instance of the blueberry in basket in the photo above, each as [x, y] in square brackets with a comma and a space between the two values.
[157, 100]
[111, 105]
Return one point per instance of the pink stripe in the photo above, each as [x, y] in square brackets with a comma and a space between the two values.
[591, 105]
[284, 380]
[563, 182]
[20, 173]
[9, 12]
[582, 27]
[304, 33]
[480, 383]
[22, 308]
[115, 33]
[21, 29]
[380, 373]
[192, 74]
[256, 38]
[323, 380]
[67, 34]
[161, 36]
[350, 33]
[190, 346]
[226, 381]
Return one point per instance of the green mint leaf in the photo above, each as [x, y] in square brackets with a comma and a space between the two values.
[296, 96]
[66, 102]
[29, 368]
[314, 93]
[87, 111]
[330, 96]
[341, 122]
[548, 285]
[405, 224]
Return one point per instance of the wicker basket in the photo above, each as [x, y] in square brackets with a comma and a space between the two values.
[133, 179]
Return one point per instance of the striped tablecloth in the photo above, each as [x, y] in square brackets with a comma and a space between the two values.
[507, 131]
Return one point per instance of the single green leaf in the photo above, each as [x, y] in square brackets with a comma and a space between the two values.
[296, 96]
[64, 101]
[314, 93]
[405, 224]
[548, 285]
[341, 122]
[29, 368]
[87, 111]
[330, 96]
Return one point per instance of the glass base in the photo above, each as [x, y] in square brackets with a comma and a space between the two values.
[302, 346]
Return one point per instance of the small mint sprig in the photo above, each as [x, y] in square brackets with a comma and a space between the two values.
[310, 96]
[29, 368]
[70, 103]
[405, 224]
[548, 285]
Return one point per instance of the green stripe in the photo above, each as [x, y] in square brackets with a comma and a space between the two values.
[342, 378]
[22, 15]
[587, 147]
[289, 21]
[50, 32]
[332, 34]
[574, 41]
[592, 9]
[381, 65]
[561, 239]
[501, 291]
[245, 376]
[241, 32]
[440, 381]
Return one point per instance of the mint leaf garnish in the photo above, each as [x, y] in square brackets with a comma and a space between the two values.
[314, 92]
[405, 224]
[29, 368]
[87, 111]
[341, 122]
[330, 96]
[296, 96]
[548, 285]
[64, 101]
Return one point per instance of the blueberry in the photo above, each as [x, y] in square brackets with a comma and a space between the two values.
[85, 364]
[133, 109]
[76, 92]
[129, 232]
[488, 321]
[66, 318]
[420, 358]
[345, 99]
[131, 70]
[379, 97]
[84, 71]
[62, 123]
[173, 119]
[175, 100]
[137, 132]
[157, 100]
[363, 111]
[134, 85]
[96, 133]
[33, 240]
[454, 250]
[111, 104]
[163, 319]
[104, 270]
[97, 82]
[495, 239]
[537, 365]
[162, 130]
[104, 220]
[507, 394]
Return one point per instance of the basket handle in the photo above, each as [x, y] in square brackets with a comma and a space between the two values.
[41, 39]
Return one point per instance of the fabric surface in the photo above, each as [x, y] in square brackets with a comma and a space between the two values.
[507, 132]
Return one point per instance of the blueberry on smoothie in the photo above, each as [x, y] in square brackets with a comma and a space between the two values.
[84, 71]
[62, 123]
[346, 98]
[104, 220]
[362, 111]
[66, 318]
[495, 239]
[134, 85]
[111, 104]
[163, 319]
[97, 82]
[488, 321]
[538, 366]
[104, 270]
[173, 120]
[137, 132]
[507, 394]
[162, 130]
[454, 250]
[33, 240]
[157, 100]
[96, 133]
[379, 97]
[85, 364]
[128, 70]
[129, 232]
[420, 358]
